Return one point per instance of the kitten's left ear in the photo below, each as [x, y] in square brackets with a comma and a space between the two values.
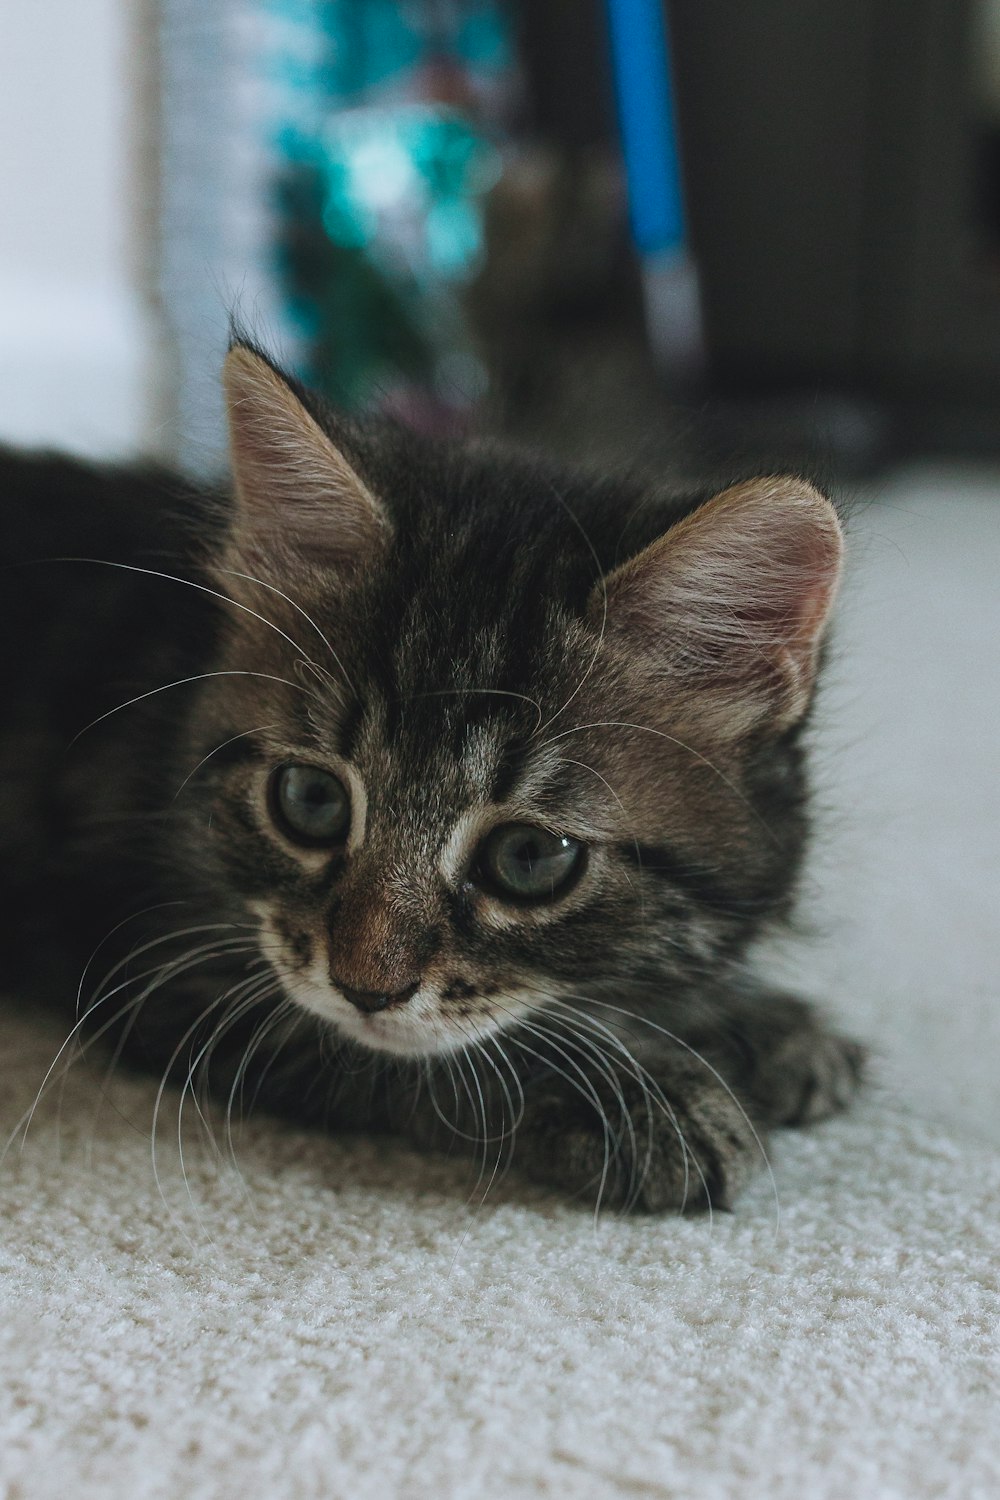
[727, 609]
[296, 492]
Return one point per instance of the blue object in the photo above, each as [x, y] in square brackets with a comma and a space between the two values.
[640, 55]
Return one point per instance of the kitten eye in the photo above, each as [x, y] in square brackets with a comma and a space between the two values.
[310, 806]
[529, 863]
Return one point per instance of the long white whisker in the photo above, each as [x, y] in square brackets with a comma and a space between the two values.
[299, 610]
[202, 588]
[259, 988]
[269, 1023]
[566, 760]
[133, 917]
[163, 937]
[588, 1047]
[481, 1101]
[649, 1085]
[259, 729]
[680, 1042]
[283, 1011]
[582, 1084]
[257, 1038]
[552, 1037]
[427, 1075]
[24, 1123]
[180, 682]
[241, 1005]
[165, 974]
[490, 692]
[673, 740]
[516, 1116]
[506, 1135]
[165, 1079]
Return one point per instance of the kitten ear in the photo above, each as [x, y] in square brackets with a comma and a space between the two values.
[295, 490]
[733, 600]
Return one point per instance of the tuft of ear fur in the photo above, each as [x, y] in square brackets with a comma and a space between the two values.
[296, 493]
[731, 603]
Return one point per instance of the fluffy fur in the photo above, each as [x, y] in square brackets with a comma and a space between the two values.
[467, 641]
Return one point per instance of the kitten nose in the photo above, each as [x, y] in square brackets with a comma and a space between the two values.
[368, 1002]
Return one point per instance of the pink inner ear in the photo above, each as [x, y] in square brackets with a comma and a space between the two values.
[738, 593]
[777, 571]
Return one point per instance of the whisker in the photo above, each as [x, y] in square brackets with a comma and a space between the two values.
[163, 937]
[202, 588]
[650, 1086]
[256, 1039]
[181, 682]
[566, 760]
[516, 1115]
[231, 572]
[490, 692]
[133, 917]
[680, 1042]
[661, 734]
[244, 1003]
[165, 1079]
[582, 1085]
[257, 990]
[24, 1123]
[505, 1138]
[589, 1046]
[605, 1071]
[285, 1011]
[165, 974]
[449, 1063]
[259, 729]
[482, 1114]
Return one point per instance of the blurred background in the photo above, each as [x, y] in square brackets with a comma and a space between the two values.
[618, 227]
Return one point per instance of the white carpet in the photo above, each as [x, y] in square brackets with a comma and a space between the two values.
[337, 1323]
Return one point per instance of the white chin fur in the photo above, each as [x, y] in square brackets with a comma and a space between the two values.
[416, 1030]
[389, 1031]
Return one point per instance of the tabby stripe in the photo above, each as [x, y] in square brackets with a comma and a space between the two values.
[686, 874]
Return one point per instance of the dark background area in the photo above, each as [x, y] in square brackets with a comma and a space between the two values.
[843, 195]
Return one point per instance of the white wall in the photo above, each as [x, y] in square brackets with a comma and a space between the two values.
[77, 198]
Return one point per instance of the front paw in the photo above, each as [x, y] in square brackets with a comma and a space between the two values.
[809, 1076]
[683, 1145]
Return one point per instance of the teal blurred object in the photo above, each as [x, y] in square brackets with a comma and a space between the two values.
[388, 143]
[405, 184]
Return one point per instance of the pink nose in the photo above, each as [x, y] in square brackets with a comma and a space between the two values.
[368, 1002]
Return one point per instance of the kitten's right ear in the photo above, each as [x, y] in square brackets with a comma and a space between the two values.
[297, 494]
[728, 608]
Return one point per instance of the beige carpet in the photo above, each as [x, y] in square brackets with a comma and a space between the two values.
[334, 1320]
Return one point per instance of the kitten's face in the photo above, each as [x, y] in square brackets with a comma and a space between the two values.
[461, 851]
[468, 777]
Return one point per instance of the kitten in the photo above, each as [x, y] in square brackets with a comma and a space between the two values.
[426, 754]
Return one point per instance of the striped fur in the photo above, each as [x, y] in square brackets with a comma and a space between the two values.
[466, 638]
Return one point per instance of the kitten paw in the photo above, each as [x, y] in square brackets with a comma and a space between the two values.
[650, 1150]
[810, 1076]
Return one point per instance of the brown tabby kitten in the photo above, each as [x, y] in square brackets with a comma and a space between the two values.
[428, 755]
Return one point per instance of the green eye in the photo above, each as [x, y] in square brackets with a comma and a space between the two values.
[528, 863]
[310, 806]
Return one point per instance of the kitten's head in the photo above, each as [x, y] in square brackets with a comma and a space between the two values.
[495, 739]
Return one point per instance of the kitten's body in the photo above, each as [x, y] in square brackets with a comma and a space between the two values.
[459, 649]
